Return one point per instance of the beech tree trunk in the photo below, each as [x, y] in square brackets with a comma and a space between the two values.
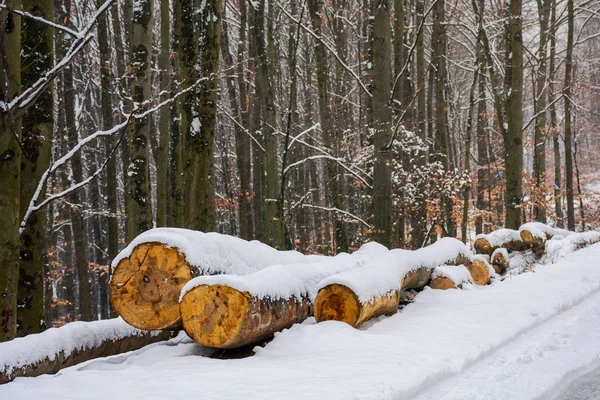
[567, 91]
[382, 124]
[10, 170]
[138, 202]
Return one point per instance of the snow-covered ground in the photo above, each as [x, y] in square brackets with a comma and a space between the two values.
[527, 337]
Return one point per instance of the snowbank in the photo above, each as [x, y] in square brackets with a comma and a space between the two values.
[543, 231]
[559, 247]
[383, 274]
[284, 281]
[213, 253]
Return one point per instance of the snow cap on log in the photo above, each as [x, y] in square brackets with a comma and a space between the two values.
[226, 311]
[73, 343]
[360, 294]
[450, 277]
[508, 238]
[500, 260]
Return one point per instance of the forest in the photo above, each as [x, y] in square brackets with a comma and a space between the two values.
[313, 125]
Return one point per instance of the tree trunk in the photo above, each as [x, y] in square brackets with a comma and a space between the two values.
[200, 210]
[382, 119]
[568, 130]
[10, 170]
[164, 127]
[513, 144]
[138, 203]
[553, 122]
[37, 43]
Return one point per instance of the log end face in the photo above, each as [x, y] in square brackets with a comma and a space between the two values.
[526, 236]
[145, 288]
[479, 272]
[337, 303]
[214, 315]
[482, 246]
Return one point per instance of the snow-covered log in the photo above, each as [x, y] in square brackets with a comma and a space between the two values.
[148, 275]
[559, 247]
[479, 269]
[229, 311]
[57, 348]
[500, 260]
[450, 277]
[508, 238]
[540, 230]
[358, 295]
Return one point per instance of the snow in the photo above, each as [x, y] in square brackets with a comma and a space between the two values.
[213, 253]
[500, 237]
[559, 247]
[383, 274]
[285, 281]
[542, 231]
[514, 339]
[459, 274]
[72, 337]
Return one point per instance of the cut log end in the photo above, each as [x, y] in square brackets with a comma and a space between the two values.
[442, 283]
[213, 315]
[538, 245]
[479, 272]
[483, 246]
[500, 263]
[337, 303]
[145, 287]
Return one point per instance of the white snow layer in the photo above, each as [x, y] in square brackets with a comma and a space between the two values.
[559, 247]
[71, 337]
[459, 274]
[513, 339]
[383, 274]
[500, 237]
[284, 281]
[543, 231]
[213, 253]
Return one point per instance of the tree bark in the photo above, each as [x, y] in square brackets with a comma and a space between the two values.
[513, 144]
[10, 170]
[37, 128]
[200, 210]
[382, 119]
[138, 203]
[567, 92]
[164, 127]
[553, 121]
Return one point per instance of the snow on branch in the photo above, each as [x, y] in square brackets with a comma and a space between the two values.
[33, 206]
[19, 104]
[60, 27]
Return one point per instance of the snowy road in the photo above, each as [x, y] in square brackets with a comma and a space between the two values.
[527, 337]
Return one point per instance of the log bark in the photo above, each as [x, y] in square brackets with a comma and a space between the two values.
[222, 317]
[340, 303]
[537, 243]
[60, 361]
[145, 287]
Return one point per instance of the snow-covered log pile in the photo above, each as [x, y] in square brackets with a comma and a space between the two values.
[58, 348]
[507, 238]
[148, 275]
[537, 233]
[558, 247]
[360, 294]
[229, 311]
[450, 277]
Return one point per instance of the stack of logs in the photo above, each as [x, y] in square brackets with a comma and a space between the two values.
[146, 289]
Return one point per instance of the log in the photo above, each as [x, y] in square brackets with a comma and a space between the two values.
[223, 317]
[501, 238]
[500, 261]
[536, 241]
[149, 274]
[359, 295]
[479, 270]
[58, 348]
[450, 277]
[145, 287]
[227, 311]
